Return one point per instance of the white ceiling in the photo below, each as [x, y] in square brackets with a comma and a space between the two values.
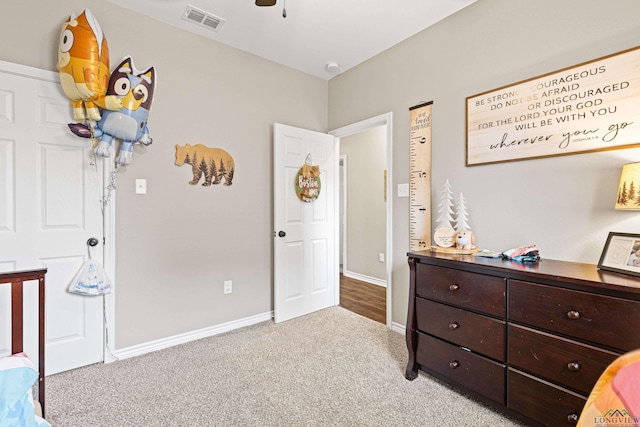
[314, 33]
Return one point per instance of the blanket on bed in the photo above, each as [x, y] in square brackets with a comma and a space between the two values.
[615, 399]
[17, 376]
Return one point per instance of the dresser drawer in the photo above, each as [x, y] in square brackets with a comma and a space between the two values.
[463, 367]
[543, 402]
[568, 363]
[600, 319]
[474, 331]
[467, 290]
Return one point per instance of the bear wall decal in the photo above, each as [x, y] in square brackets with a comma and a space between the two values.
[213, 163]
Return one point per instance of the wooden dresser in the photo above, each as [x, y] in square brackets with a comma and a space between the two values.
[528, 339]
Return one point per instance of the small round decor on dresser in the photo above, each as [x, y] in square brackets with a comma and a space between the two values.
[444, 237]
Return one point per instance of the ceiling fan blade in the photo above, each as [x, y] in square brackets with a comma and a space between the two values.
[266, 2]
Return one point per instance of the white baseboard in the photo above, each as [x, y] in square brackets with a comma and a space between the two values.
[363, 278]
[148, 347]
[397, 327]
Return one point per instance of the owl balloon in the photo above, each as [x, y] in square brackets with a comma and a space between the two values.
[134, 90]
[83, 64]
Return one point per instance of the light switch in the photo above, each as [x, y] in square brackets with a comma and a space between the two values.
[403, 190]
[141, 186]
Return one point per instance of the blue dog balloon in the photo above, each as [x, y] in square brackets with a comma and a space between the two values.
[129, 124]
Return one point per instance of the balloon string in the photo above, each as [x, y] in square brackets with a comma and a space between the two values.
[112, 186]
[92, 154]
[106, 198]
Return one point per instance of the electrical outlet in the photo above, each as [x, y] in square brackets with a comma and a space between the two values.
[228, 286]
[381, 257]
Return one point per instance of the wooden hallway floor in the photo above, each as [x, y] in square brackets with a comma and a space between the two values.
[364, 298]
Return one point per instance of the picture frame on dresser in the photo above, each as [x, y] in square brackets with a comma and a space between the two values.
[621, 254]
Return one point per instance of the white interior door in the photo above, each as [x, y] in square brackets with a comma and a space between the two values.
[305, 258]
[49, 208]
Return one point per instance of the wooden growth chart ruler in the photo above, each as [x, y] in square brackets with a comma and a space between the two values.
[420, 177]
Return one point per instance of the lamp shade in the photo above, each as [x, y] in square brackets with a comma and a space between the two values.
[629, 188]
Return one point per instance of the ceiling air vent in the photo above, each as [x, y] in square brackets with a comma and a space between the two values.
[202, 18]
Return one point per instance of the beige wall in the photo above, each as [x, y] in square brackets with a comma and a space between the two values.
[177, 244]
[366, 208]
[562, 204]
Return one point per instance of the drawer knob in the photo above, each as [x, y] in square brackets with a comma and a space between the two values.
[454, 364]
[454, 287]
[572, 418]
[454, 325]
[573, 314]
[573, 366]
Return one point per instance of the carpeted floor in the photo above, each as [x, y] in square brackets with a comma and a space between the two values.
[330, 368]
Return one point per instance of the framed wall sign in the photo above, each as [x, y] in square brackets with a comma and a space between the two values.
[621, 254]
[593, 106]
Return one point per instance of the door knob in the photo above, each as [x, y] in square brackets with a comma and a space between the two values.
[282, 233]
[92, 242]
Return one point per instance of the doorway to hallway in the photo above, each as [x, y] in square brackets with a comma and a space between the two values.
[363, 263]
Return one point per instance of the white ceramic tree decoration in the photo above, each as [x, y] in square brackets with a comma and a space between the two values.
[445, 208]
[445, 234]
[462, 216]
